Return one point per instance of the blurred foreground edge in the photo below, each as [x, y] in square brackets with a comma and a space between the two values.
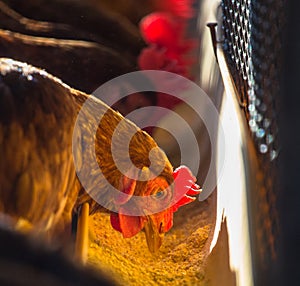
[287, 272]
[27, 262]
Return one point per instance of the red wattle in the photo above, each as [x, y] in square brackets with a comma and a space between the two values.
[115, 221]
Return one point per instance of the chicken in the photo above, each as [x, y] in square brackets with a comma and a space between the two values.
[165, 31]
[81, 64]
[47, 140]
[170, 47]
[82, 22]
[86, 59]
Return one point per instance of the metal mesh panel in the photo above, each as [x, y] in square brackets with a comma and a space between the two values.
[252, 41]
[252, 44]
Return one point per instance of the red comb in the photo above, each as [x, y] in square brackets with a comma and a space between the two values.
[185, 187]
[155, 58]
[164, 30]
[179, 8]
[168, 49]
[160, 29]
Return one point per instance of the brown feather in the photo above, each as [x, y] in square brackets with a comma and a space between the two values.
[36, 119]
[74, 20]
[80, 64]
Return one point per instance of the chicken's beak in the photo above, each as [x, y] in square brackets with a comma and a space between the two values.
[154, 236]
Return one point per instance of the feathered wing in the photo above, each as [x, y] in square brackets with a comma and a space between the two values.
[36, 169]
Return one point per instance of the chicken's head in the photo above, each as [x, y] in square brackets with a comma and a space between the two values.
[161, 200]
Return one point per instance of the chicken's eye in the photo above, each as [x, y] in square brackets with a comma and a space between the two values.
[161, 194]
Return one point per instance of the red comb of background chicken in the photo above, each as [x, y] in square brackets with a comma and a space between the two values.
[179, 8]
[168, 48]
[165, 31]
[156, 58]
[162, 29]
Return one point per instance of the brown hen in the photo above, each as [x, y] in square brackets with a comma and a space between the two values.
[40, 182]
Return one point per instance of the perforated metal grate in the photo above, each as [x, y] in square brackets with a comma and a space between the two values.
[252, 42]
[252, 31]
